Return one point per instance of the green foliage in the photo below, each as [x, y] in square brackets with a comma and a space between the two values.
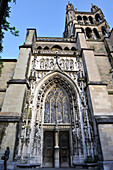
[5, 26]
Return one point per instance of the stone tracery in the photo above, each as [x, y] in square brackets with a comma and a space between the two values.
[56, 107]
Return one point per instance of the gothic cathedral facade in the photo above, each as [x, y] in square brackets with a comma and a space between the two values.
[57, 100]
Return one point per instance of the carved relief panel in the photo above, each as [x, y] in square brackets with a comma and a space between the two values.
[65, 63]
[41, 65]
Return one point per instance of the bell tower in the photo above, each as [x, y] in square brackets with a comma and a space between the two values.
[93, 23]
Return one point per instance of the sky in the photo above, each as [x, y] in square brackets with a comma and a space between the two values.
[47, 17]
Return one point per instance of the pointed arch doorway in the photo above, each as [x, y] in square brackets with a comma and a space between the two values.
[56, 146]
[61, 131]
[56, 120]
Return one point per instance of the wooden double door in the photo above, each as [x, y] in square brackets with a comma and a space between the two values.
[49, 149]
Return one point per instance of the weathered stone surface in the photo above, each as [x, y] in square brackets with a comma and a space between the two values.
[81, 42]
[99, 47]
[14, 98]
[7, 138]
[7, 73]
[106, 138]
[21, 68]
[104, 70]
[99, 100]
[90, 66]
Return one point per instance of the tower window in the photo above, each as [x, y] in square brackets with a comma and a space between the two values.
[89, 33]
[98, 18]
[79, 18]
[104, 32]
[85, 19]
[96, 33]
[91, 20]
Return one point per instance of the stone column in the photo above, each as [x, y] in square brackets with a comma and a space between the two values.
[56, 150]
[98, 100]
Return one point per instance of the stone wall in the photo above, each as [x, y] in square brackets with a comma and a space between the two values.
[99, 47]
[7, 74]
[106, 138]
[7, 137]
[100, 100]
[14, 98]
[104, 70]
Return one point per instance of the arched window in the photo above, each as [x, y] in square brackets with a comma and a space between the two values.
[96, 33]
[98, 18]
[73, 49]
[79, 18]
[104, 32]
[89, 33]
[56, 107]
[39, 48]
[66, 48]
[85, 19]
[91, 20]
[46, 48]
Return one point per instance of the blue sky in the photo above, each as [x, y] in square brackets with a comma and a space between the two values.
[48, 17]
